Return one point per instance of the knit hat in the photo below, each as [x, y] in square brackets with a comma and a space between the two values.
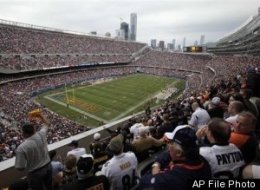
[116, 143]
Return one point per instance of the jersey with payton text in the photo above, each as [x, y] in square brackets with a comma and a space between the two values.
[223, 158]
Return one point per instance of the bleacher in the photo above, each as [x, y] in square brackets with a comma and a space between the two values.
[34, 49]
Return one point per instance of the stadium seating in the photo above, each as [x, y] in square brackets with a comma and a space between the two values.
[27, 49]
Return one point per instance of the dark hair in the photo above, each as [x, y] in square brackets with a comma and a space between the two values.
[28, 128]
[238, 105]
[52, 154]
[220, 130]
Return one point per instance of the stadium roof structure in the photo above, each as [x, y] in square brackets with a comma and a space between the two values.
[243, 40]
[248, 27]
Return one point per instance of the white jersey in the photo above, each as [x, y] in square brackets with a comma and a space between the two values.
[120, 170]
[77, 152]
[223, 158]
[232, 119]
[134, 129]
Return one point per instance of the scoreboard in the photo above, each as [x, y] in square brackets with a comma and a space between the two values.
[193, 49]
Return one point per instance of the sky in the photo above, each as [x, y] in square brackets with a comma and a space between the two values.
[156, 19]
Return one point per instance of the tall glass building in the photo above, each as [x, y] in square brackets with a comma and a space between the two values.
[133, 26]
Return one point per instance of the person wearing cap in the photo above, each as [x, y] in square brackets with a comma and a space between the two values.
[185, 164]
[225, 159]
[86, 177]
[121, 168]
[215, 109]
[97, 149]
[32, 155]
[75, 149]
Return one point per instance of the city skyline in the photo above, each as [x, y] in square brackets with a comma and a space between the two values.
[162, 20]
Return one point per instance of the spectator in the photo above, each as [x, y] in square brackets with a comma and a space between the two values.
[250, 106]
[97, 149]
[166, 126]
[223, 157]
[57, 168]
[186, 163]
[234, 108]
[121, 169]
[143, 143]
[251, 171]
[86, 177]
[199, 116]
[75, 150]
[244, 136]
[69, 174]
[33, 156]
[215, 109]
[134, 128]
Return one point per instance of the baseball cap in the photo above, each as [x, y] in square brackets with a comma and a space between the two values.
[116, 143]
[74, 143]
[85, 164]
[183, 135]
[215, 100]
[96, 136]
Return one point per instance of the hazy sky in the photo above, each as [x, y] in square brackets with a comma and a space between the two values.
[156, 19]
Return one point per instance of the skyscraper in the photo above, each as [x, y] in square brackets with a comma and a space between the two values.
[202, 39]
[153, 43]
[183, 43]
[161, 45]
[173, 43]
[133, 26]
[125, 27]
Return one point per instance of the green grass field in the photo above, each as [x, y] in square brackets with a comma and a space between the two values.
[107, 101]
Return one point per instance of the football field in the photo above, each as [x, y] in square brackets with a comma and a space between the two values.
[106, 101]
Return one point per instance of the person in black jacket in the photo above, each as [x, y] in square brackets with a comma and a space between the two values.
[186, 164]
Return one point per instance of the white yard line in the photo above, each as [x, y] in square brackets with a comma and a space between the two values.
[49, 97]
[139, 104]
[76, 109]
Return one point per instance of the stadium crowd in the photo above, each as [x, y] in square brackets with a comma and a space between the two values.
[216, 117]
[31, 49]
[20, 40]
[55, 61]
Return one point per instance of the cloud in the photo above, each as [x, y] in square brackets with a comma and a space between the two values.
[163, 20]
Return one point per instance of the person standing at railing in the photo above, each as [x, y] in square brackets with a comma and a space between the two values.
[32, 155]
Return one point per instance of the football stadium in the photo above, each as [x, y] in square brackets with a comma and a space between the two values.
[87, 112]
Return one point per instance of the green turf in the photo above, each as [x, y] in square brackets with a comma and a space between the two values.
[107, 101]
